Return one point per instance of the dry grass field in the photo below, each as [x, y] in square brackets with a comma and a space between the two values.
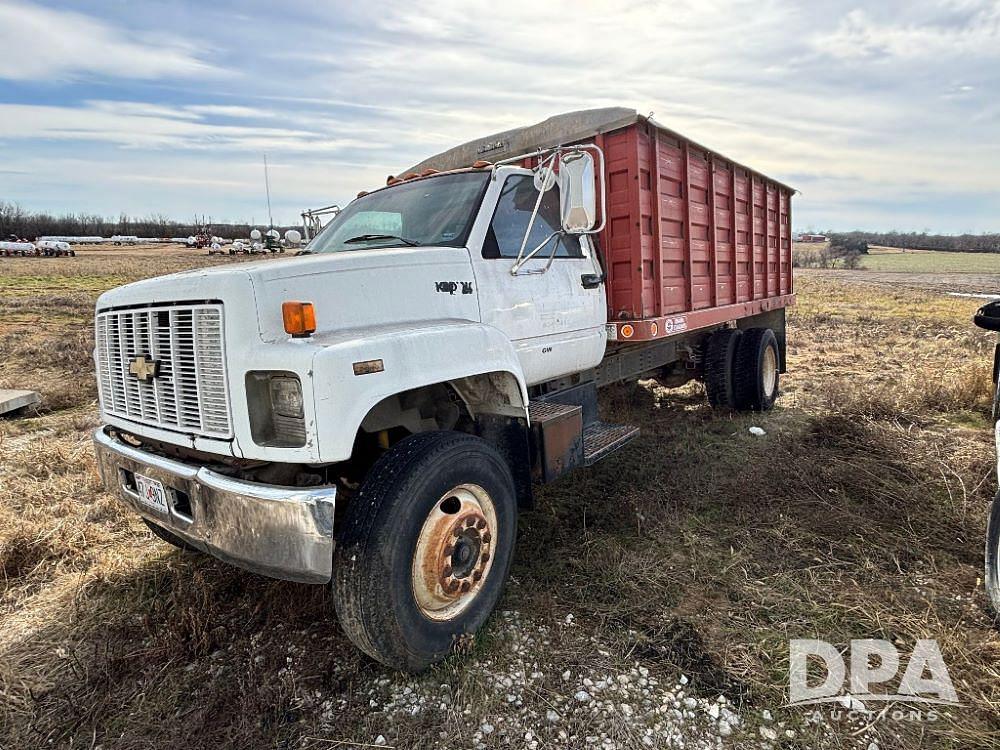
[699, 551]
[907, 261]
[891, 259]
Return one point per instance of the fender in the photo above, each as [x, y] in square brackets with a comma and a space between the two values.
[354, 369]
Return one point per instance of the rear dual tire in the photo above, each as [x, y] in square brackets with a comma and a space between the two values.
[756, 374]
[720, 366]
[742, 368]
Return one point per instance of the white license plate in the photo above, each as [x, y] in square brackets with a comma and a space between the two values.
[151, 493]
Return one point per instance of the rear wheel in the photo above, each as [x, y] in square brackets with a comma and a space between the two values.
[720, 362]
[756, 374]
[424, 548]
[993, 556]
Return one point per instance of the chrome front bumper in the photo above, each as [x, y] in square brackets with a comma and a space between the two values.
[283, 532]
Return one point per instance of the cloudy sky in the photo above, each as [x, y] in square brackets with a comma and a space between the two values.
[884, 115]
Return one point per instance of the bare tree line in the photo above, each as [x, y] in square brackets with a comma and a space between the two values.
[961, 243]
[31, 225]
[825, 256]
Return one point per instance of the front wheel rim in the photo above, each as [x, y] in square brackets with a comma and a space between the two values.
[455, 552]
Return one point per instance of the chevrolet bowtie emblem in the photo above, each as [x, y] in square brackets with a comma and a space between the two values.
[144, 369]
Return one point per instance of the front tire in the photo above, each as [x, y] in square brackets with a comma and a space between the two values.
[424, 548]
[993, 556]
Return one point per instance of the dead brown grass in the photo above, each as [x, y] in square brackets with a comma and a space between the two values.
[700, 550]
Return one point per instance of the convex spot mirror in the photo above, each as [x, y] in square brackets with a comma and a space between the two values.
[578, 194]
[545, 179]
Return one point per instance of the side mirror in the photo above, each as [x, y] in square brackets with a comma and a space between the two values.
[578, 196]
[988, 316]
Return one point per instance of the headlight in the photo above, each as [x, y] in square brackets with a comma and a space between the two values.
[277, 417]
[286, 396]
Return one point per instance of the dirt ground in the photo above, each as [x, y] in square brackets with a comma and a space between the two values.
[652, 597]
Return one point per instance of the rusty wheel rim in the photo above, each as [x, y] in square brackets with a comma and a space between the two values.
[454, 552]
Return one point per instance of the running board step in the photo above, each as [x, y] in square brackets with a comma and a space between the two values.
[601, 439]
[557, 437]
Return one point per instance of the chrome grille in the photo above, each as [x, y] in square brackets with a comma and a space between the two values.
[189, 392]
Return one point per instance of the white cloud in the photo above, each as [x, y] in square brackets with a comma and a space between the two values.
[135, 125]
[859, 37]
[231, 111]
[136, 109]
[855, 106]
[41, 44]
[140, 183]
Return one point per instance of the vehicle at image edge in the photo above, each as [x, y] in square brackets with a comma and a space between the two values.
[373, 415]
[988, 318]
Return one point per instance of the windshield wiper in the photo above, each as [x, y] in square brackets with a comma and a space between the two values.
[367, 237]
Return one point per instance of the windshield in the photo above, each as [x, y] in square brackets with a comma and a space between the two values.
[433, 211]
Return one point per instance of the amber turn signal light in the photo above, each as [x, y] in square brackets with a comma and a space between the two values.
[299, 317]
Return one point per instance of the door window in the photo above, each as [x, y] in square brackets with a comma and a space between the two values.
[510, 220]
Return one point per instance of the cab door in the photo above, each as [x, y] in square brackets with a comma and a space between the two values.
[553, 312]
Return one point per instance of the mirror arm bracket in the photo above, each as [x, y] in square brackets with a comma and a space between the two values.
[521, 258]
[515, 270]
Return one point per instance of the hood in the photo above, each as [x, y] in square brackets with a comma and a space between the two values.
[350, 290]
[202, 284]
[363, 288]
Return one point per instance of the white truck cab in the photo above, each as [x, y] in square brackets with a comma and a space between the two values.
[373, 413]
[425, 310]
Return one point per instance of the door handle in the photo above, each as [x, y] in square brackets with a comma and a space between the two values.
[592, 280]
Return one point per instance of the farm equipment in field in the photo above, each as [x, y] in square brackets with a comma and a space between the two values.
[313, 220]
[202, 240]
[54, 249]
[272, 241]
[261, 243]
[988, 318]
[16, 247]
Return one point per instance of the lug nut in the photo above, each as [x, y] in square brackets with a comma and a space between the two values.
[480, 524]
[477, 575]
[466, 586]
[487, 537]
[446, 573]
